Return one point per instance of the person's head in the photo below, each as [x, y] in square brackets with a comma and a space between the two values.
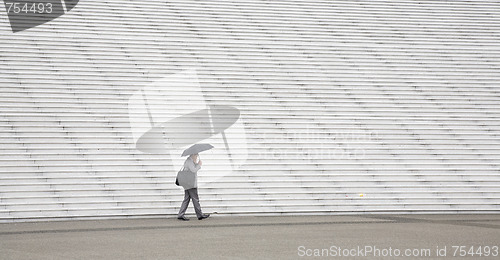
[194, 157]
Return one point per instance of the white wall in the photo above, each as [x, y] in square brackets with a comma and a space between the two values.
[397, 101]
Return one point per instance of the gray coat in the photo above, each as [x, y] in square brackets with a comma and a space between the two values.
[189, 164]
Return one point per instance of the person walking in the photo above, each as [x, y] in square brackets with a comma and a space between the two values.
[194, 165]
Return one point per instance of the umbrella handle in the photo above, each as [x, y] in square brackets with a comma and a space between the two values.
[227, 149]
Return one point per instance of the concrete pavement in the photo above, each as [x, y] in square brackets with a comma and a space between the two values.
[256, 237]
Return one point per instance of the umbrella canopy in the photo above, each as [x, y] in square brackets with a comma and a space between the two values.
[197, 148]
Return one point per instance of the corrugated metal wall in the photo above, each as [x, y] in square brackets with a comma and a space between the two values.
[341, 106]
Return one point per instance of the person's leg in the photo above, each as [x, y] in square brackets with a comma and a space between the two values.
[193, 193]
[184, 204]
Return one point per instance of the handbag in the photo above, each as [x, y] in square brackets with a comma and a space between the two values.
[177, 177]
[185, 178]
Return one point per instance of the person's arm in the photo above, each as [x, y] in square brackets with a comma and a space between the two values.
[192, 166]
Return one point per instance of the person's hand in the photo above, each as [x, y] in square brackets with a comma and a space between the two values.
[200, 163]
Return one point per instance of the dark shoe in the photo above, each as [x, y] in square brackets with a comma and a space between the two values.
[204, 216]
[183, 218]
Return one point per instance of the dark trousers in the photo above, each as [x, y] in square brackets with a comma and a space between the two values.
[188, 195]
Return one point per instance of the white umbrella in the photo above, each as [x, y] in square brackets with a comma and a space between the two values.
[197, 148]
